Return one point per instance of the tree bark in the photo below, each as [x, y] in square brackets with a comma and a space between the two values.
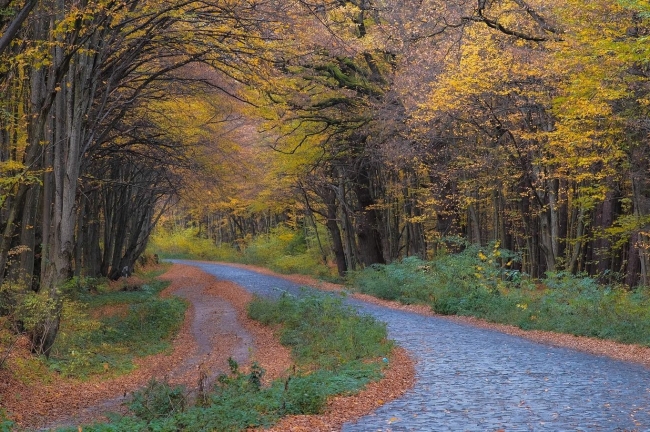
[367, 232]
[329, 199]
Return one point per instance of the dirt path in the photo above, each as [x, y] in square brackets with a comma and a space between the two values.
[216, 328]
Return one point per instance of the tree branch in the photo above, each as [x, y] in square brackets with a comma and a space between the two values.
[15, 24]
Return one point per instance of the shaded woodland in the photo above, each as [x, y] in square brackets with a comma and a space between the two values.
[397, 125]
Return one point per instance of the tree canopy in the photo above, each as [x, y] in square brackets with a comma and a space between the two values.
[397, 125]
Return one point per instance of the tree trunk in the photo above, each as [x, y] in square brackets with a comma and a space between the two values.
[332, 225]
[367, 232]
[641, 203]
[601, 245]
[91, 252]
[28, 236]
[576, 250]
[474, 225]
[549, 228]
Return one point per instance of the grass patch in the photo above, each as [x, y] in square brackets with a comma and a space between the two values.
[104, 330]
[321, 330]
[336, 351]
[479, 282]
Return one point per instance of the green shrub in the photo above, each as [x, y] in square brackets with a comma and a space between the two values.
[186, 244]
[480, 282]
[308, 393]
[6, 425]
[284, 250]
[107, 345]
[443, 282]
[321, 330]
[158, 399]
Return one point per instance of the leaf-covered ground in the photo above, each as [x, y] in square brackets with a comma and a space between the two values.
[207, 339]
[63, 401]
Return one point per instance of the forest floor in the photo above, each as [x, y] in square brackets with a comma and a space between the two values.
[216, 328]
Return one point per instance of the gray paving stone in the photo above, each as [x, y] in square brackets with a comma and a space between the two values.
[471, 379]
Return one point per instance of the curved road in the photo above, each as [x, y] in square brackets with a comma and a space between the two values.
[471, 379]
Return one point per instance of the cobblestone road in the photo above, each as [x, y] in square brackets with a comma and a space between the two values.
[471, 379]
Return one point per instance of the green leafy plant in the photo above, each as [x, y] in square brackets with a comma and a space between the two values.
[482, 282]
[158, 399]
[321, 330]
[240, 402]
[102, 331]
[6, 425]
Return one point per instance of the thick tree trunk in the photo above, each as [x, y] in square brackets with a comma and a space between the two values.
[118, 239]
[367, 232]
[549, 228]
[415, 241]
[329, 199]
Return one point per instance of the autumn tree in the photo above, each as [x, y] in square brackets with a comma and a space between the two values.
[75, 76]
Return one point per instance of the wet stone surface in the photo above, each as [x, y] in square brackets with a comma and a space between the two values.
[471, 379]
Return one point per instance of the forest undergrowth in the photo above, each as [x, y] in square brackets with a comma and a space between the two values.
[282, 250]
[104, 326]
[483, 282]
[325, 337]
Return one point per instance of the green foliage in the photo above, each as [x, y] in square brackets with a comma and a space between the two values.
[186, 244]
[307, 394]
[255, 376]
[239, 402]
[6, 425]
[145, 328]
[129, 324]
[107, 296]
[27, 312]
[25, 308]
[642, 7]
[157, 400]
[321, 330]
[284, 250]
[282, 241]
[11, 295]
[442, 282]
[482, 284]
